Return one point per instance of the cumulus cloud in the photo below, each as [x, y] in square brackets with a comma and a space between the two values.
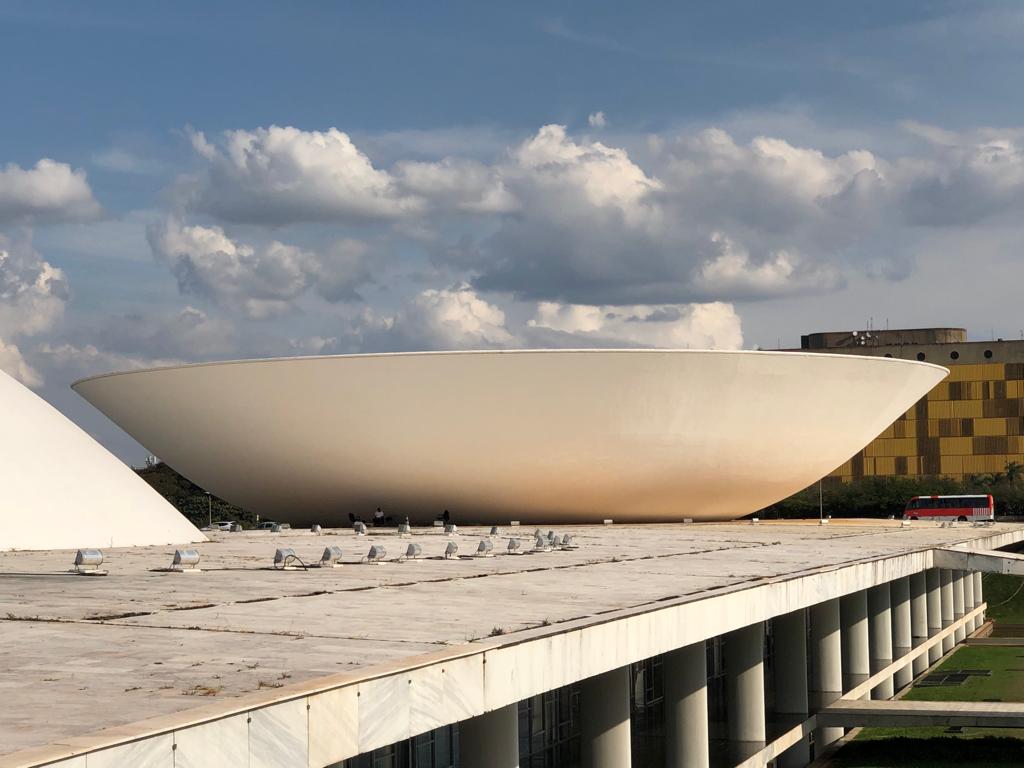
[33, 293]
[261, 281]
[13, 364]
[187, 334]
[456, 184]
[79, 361]
[696, 217]
[704, 218]
[698, 326]
[449, 318]
[50, 191]
[732, 272]
[280, 175]
[597, 120]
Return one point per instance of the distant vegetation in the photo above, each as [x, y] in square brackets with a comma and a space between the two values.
[884, 496]
[191, 500]
[868, 497]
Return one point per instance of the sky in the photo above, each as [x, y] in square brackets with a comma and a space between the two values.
[221, 180]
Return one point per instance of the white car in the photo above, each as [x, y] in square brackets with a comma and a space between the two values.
[224, 525]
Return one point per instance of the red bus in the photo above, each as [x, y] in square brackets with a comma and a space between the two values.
[963, 508]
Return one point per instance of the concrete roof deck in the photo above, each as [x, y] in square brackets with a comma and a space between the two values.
[83, 654]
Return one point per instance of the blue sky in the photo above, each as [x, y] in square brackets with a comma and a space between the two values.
[197, 181]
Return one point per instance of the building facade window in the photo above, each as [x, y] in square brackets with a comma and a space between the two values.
[549, 729]
[435, 749]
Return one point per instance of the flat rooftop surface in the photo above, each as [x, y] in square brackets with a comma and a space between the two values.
[80, 654]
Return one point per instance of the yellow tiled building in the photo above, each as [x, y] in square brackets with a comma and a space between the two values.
[970, 424]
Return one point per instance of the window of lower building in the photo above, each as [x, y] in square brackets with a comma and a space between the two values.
[549, 729]
[434, 749]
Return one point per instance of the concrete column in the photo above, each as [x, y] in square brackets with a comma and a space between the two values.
[919, 617]
[969, 600]
[685, 673]
[604, 719]
[958, 604]
[979, 597]
[490, 740]
[946, 594]
[934, 611]
[902, 639]
[853, 610]
[790, 635]
[880, 634]
[826, 665]
[744, 679]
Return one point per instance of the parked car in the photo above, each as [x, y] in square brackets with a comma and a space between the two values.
[265, 525]
[220, 525]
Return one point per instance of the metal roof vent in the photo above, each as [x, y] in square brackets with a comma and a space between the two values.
[568, 542]
[285, 559]
[413, 552]
[185, 561]
[514, 547]
[331, 558]
[376, 554]
[451, 529]
[452, 550]
[485, 548]
[316, 530]
[494, 531]
[359, 527]
[88, 562]
[540, 544]
[404, 530]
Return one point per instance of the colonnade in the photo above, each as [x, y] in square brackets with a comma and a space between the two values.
[820, 653]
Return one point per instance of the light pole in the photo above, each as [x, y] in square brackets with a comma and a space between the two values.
[821, 503]
[209, 507]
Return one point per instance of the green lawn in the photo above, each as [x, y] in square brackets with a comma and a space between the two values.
[936, 747]
[974, 746]
[1005, 684]
[998, 589]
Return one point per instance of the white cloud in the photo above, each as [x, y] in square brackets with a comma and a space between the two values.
[261, 281]
[279, 175]
[88, 359]
[449, 318]
[33, 292]
[597, 120]
[186, 334]
[696, 217]
[604, 176]
[690, 326]
[51, 191]
[13, 364]
[732, 272]
[451, 183]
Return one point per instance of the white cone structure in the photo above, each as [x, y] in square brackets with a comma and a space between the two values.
[61, 489]
[538, 436]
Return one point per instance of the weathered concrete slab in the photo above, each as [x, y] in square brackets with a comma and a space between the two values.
[148, 644]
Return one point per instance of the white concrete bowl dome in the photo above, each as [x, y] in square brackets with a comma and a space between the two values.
[536, 436]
